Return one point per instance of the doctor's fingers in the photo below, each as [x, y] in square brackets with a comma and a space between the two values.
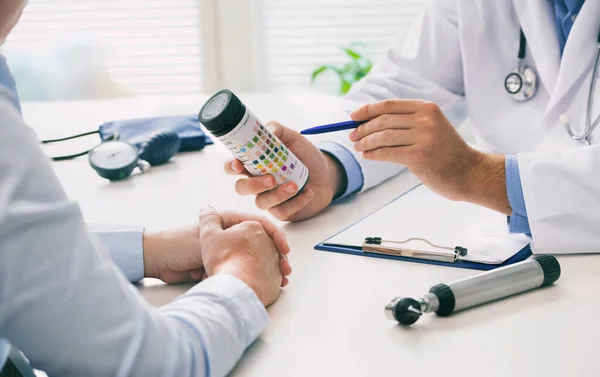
[399, 155]
[235, 167]
[383, 122]
[385, 138]
[278, 195]
[254, 185]
[288, 210]
[389, 106]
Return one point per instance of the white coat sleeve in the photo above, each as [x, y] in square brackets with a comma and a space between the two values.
[562, 196]
[426, 65]
[72, 313]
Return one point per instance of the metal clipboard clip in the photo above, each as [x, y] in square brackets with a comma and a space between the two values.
[377, 245]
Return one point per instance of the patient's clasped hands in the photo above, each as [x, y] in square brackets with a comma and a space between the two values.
[248, 247]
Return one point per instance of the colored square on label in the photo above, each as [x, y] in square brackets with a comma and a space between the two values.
[259, 166]
[280, 153]
[284, 158]
[272, 145]
[258, 153]
[276, 160]
[274, 170]
[271, 156]
[276, 149]
[263, 147]
[268, 141]
[270, 165]
[292, 166]
[262, 157]
[268, 151]
[284, 168]
[255, 162]
[255, 129]
[287, 153]
[243, 150]
[280, 164]
[249, 145]
[255, 139]
[264, 171]
[267, 161]
[260, 133]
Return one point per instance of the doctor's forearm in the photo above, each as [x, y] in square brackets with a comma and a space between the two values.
[486, 184]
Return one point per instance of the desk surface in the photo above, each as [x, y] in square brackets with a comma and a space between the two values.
[329, 321]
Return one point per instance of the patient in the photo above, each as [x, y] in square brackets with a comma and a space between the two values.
[67, 304]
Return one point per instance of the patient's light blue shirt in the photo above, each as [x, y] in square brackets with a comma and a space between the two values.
[67, 306]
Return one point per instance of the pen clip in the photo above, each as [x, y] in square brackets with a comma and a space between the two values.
[375, 244]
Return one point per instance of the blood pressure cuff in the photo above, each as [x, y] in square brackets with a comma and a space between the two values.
[136, 131]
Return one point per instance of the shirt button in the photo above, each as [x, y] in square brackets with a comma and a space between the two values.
[574, 17]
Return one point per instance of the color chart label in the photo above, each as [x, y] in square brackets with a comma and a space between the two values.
[263, 153]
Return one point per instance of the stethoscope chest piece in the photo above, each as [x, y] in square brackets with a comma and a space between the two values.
[521, 83]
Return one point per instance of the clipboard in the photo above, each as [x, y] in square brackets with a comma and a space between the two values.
[420, 214]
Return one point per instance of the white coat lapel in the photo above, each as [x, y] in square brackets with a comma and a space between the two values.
[580, 51]
[537, 21]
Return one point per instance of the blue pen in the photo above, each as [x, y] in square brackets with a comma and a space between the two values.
[347, 125]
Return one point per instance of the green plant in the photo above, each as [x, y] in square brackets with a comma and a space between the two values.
[349, 73]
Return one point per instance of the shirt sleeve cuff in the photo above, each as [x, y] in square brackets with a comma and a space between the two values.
[517, 222]
[354, 176]
[125, 246]
[242, 300]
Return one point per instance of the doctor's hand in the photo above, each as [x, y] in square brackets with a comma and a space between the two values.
[247, 250]
[326, 180]
[175, 256]
[416, 134]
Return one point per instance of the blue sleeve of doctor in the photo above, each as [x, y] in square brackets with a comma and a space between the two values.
[517, 221]
[354, 176]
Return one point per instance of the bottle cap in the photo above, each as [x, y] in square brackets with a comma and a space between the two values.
[222, 112]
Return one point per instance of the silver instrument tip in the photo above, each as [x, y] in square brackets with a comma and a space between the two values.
[389, 308]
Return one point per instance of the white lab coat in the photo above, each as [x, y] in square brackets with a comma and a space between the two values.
[458, 55]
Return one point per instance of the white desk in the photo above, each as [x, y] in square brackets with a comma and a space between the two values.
[329, 321]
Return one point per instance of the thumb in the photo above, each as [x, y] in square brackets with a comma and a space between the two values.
[209, 221]
[286, 135]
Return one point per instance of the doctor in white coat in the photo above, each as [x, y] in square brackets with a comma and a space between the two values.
[455, 64]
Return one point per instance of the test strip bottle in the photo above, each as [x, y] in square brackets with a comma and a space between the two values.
[261, 152]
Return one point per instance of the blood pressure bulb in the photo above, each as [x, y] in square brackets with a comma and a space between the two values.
[261, 152]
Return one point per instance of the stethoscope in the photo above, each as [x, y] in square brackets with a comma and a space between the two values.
[521, 84]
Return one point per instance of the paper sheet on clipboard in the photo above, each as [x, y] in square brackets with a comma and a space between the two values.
[424, 214]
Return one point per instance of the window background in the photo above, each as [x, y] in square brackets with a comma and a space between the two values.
[298, 36]
[63, 49]
[79, 49]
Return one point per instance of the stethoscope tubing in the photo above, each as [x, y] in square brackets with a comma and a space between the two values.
[589, 126]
